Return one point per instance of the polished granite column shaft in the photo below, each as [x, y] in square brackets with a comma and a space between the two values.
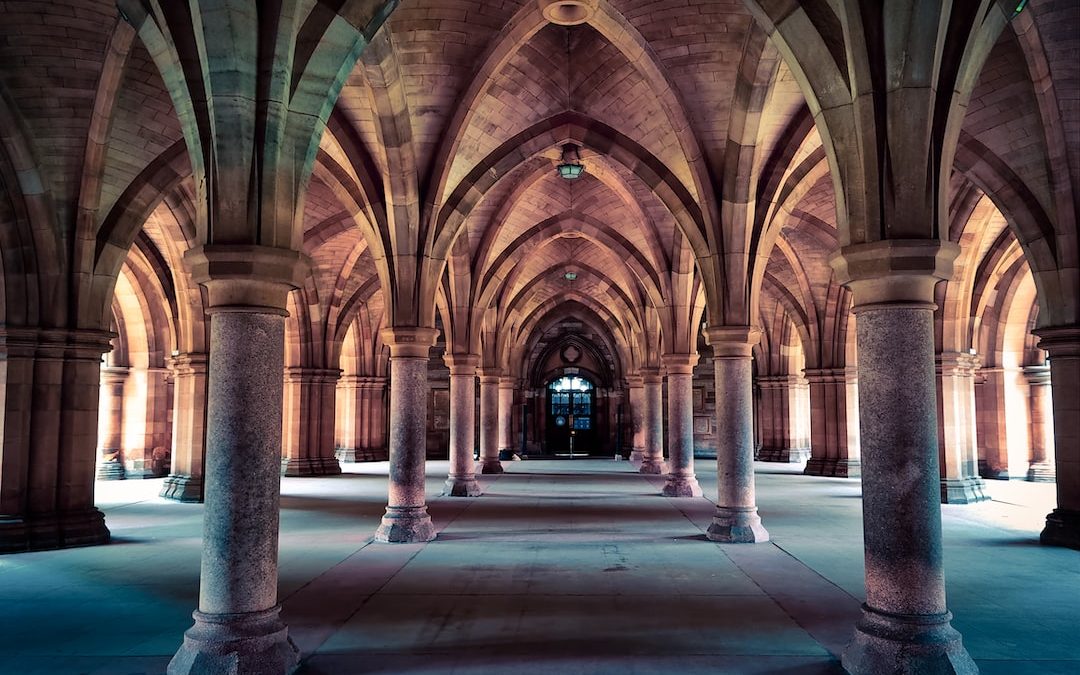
[652, 461]
[636, 387]
[681, 481]
[736, 520]
[462, 479]
[406, 519]
[905, 626]
[489, 421]
[1062, 344]
[237, 625]
[506, 417]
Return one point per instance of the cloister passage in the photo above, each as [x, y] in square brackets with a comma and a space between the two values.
[565, 566]
[811, 267]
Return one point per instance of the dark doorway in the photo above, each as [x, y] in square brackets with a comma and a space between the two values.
[571, 417]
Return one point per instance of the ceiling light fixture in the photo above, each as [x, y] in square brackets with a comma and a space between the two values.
[568, 12]
[570, 167]
[570, 276]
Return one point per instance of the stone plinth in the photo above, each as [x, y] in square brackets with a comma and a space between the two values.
[681, 481]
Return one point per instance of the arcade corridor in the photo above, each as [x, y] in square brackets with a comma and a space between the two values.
[565, 566]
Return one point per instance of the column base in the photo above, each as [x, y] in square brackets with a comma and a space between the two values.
[345, 454]
[637, 457]
[652, 465]
[491, 466]
[681, 486]
[836, 468]
[903, 643]
[53, 531]
[962, 491]
[405, 525]
[989, 472]
[310, 466]
[361, 454]
[182, 488]
[784, 455]
[733, 525]
[461, 486]
[1041, 472]
[254, 642]
[111, 470]
[1062, 529]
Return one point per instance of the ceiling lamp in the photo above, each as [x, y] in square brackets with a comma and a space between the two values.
[568, 12]
[570, 276]
[570, 167]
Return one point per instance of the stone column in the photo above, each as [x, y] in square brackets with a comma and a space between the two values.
[489, 421]
[783, 441]
[1042, 424]
[736, 520]
[960, 482]
[462, 479]
[652, 461]
[309, 415]
[834, 423]
[1062, 344]
[362, 438]
[50, 380]
[185, 481]
[635, 384]
[681, 481]
[237, 625]
[993, 423]
[905, 626]
[347, 429]
[506, 417]
[111, 424]
[406, 519]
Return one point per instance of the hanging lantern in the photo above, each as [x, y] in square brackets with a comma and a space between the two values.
[570, 167]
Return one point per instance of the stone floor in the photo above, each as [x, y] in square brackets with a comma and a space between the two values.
[562, 567]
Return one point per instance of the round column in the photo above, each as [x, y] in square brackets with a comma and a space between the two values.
[462, 479]
[636, 386]
[506, 417]
[489, 421]
[905, 626]
[111, 424]
[237, 625]
[681, 481]
[736, 520]
[652, 460]
[406, 519]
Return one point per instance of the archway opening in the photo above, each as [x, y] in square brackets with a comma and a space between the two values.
[571, 417]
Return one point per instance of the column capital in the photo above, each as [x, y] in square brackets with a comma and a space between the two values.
[634, 381]
[188, 363]
[508, 382]
[679, 364]
[244, 278]
[309, 375]
[894, 271]
[489, 375]
[462, 365]
[829, 375]
[409, 341]
[732, 341]
[651, 376]
[1037, 375]
[1060, 341]
[956, 363]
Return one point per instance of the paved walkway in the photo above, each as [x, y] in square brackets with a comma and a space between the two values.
[562, 567]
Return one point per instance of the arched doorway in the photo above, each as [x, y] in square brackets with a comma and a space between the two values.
[571, 416]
